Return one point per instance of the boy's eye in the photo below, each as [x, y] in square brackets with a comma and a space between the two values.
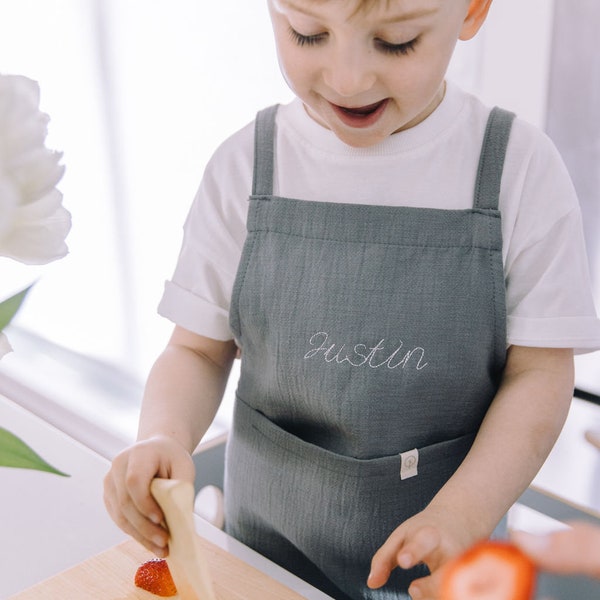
[306, 40]
[383, 46]
[396, 49]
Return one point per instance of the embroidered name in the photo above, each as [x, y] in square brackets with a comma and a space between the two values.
[362, 355]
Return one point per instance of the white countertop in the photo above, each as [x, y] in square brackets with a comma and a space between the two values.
[50, 523]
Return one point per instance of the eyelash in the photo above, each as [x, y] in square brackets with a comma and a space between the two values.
[397, 49]
[306, 40]
[385, 47]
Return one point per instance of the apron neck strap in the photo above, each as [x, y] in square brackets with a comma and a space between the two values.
[264, 152]
[489, 173]
[491, 161]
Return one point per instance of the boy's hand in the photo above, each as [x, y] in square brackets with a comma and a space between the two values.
[127, 488]
[432, 537]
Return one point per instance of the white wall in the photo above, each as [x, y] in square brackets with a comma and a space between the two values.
[508, 62]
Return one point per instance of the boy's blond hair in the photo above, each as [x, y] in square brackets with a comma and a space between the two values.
[362, 6]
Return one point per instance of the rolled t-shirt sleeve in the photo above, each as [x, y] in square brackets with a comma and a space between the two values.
[548, 288]
[196, 314]
[198, 295]
[551, 305]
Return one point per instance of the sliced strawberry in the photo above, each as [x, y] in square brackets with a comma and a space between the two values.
[154, 576]
[490, 570]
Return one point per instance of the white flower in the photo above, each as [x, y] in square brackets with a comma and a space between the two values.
[33, 222]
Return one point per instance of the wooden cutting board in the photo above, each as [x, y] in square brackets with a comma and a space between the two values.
[110, 576]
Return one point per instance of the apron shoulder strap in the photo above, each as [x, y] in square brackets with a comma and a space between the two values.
[264, 151]
[491, 161]
[489, 174]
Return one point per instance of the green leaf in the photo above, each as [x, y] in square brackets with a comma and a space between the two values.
[16, 453]
[10, 306]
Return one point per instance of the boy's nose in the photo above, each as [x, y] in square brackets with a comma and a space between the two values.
[349, 75]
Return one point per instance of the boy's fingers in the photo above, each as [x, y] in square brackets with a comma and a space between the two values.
[384, 560]
[419, 547]
[154, 537]
[126, 516]
[400, 552]
[381, 566]
[137, 494]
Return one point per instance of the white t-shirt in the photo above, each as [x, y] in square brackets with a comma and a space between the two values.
[432, 165]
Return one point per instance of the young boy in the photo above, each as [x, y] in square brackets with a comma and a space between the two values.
[407, 285]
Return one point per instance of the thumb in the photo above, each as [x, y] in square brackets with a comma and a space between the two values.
[182, 469]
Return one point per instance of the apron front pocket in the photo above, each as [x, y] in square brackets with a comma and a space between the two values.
[335, 510]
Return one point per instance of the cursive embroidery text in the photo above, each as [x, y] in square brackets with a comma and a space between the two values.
[362, 355]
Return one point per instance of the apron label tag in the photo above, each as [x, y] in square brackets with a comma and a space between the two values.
[408, 464]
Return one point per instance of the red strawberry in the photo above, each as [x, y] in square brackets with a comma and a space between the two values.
[490, 570]
[154, 576]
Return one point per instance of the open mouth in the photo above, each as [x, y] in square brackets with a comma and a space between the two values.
[360, 116]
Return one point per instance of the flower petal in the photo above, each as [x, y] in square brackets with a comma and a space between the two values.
[19, 96]
[9, 201]
[36, 173]
[39, 232]
[33, 222]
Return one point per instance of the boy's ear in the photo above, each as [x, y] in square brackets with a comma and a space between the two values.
[476, 14]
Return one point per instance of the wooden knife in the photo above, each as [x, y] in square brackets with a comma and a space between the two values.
[186, 559]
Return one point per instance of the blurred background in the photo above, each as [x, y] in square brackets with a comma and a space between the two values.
[140, 93]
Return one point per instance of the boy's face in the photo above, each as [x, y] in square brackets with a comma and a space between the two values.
[366, 74]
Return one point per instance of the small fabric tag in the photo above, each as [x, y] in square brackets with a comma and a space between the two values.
[409, 462]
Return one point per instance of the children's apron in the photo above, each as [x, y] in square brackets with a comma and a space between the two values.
[373, 341]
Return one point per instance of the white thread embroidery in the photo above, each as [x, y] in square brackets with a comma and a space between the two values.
[362, 355]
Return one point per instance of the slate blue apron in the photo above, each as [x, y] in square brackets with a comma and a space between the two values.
[373, 341]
